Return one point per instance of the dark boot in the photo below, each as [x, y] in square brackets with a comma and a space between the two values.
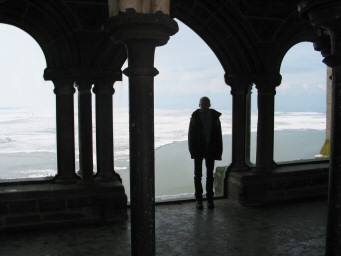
[210, 204]
[199, 204]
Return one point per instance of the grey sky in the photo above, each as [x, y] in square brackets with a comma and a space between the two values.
[188, 70]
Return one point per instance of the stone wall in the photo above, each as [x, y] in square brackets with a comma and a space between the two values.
[291, 181]
[42, 205]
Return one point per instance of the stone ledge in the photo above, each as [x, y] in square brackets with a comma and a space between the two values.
[46, 204]
[289, 181]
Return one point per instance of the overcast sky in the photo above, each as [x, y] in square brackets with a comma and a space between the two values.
[188, 70]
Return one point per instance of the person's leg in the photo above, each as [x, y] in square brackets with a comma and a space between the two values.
[209, 182]
[197, 181]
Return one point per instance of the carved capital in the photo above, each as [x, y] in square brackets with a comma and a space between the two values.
[321, 13]
[52, 74]
[322, 43]
[325, 15]
[130, 25]
[105, 80]
[240, 83]
[62, 80]
[104, 87]
[267, 83]
[84, 79]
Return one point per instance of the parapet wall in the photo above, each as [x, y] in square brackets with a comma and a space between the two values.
[46, 204]
[290, 181]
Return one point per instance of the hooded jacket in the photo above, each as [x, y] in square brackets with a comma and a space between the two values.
[196, 139]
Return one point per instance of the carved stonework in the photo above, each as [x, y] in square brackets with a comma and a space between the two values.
[264, 28]
[90, 16]
[266, 8]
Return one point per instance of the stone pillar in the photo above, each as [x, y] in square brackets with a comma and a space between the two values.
[85, 130]
[248, 129]
[265, 127]
[240, 90]
[326, 15]
[104, 127]
[141, 34]
[64, 91]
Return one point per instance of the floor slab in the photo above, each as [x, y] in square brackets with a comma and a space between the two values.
[288, 229]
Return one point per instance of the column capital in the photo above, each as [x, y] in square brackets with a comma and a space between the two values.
[62, 81]
[84, 79]
[322, 42]
[141, 31]
[105, 80]
[321, 13]
[130, 26]
[325, 15]
[53, 74]
[267, 83]
[240, 83]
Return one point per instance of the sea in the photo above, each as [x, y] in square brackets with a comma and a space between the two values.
[28, 137]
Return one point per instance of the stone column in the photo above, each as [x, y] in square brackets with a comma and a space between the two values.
[327, 16]
[141, 34]
[64, 91]
[265, 127]
[334, 208]
[240, 90]
[85, 130]
[104, 126]
[248, 129]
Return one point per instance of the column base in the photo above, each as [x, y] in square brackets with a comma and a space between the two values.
[107, 177]
[264, 169]
[239, 168]
[61, 179]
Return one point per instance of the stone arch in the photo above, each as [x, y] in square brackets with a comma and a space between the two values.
[292, 32]
[224, 34]
[38, 19]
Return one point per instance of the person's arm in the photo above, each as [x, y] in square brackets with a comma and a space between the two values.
[190, 136]
[220, 138]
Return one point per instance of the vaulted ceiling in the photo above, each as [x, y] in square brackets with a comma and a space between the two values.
[247, 36]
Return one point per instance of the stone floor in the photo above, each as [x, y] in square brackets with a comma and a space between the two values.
[286, 229]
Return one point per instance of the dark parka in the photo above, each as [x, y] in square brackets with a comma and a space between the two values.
[196, 140]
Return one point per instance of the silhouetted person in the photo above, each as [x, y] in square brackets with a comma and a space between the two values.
[205, 142]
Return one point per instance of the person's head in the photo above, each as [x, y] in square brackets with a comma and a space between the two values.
[204, 103]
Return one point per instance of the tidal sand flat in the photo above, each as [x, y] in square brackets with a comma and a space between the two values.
[174, 167]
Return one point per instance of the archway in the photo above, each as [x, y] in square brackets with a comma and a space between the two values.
[188, 70]
[300, 117]
[27, 131]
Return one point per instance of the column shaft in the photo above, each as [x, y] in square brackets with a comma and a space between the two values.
[64, 91]
[141, 33]
[104, 130]
[333, 239]
[85, 132]
[142, 156]
[248, 130]
[325, 17]
[240, 137]
[265, 130]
